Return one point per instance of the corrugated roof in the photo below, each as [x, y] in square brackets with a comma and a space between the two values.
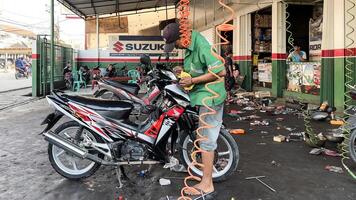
[88, 8]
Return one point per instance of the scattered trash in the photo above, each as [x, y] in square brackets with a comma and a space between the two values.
[249, 108]
[337, 122]
[237, 131]
[289, 129]
[316, 151]
[235, 113]
[279, 138]
[248, 117]
[321, 137]
[261, 123]
[120, 198]
[299, 136]
[262, 143]
[264, 132]
[163, 181]
[142, 173]
[174, 165]
[262, 94]
[258, 178]
[274, 163]
[331, 168]
[331, 153]
[279, 119]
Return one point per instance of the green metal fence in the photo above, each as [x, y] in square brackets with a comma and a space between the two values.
[42, 69]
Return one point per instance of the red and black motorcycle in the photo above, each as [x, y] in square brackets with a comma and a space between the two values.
[101, 133]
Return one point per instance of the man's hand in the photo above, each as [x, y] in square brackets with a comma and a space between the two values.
[186, 82]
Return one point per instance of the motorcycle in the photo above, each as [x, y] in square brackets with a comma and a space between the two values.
[109, 89]
[20, 73]
[101, 133]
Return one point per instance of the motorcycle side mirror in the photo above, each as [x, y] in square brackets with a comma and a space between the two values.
[145, 60]
[159, 58]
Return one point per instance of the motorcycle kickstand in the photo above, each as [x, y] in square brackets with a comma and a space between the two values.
[119, 174]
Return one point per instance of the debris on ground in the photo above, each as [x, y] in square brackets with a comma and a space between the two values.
[279, 119]
[163, 181]
[274, 163]
[174, 165]
[337, 122]
[298, 136]
[249, 108]
[328, 152]
[237, 131]
[261, 143]
[331, 153]
[316, 151]
[331, 168]
[258, 178]
[279, 138]
[264, 122]
[289, 129]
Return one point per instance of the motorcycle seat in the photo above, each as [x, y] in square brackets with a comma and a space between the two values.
[107, 108]
[132, 88]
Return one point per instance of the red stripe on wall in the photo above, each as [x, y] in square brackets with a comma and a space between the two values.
[242, 58]
[123, 60]
[279, 56]
[35, 56]
[338, 52]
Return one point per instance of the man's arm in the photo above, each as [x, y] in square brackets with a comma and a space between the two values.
[208, 77]
[205, 78]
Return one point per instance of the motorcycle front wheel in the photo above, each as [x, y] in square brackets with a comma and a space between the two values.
[67, 164]
[226, 156]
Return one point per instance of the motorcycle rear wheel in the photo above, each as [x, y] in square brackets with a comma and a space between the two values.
[60, 167]
[226, 142]
[352, 145]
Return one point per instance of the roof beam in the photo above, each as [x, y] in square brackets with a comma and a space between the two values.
[92, 5]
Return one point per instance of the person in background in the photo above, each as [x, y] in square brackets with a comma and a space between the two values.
[20, 65]
[297, 55]
[110, 71]
[229, 78]
[67, 68]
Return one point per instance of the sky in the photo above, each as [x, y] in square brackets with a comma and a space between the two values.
[34, 15]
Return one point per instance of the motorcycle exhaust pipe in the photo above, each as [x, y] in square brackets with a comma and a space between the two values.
[69, 146]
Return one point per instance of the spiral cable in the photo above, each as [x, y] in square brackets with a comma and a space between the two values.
[184, 24]
[204, 125]
[288, 26]
[348, 81]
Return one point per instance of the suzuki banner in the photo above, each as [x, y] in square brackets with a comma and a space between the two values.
[133, 46]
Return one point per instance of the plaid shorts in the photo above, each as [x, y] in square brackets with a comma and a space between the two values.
[212, 133]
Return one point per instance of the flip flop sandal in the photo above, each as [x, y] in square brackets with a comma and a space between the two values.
[202, 196]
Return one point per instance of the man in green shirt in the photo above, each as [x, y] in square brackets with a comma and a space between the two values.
[197, 60]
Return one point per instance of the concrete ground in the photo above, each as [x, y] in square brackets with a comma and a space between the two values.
[8, 81]
[25, 172]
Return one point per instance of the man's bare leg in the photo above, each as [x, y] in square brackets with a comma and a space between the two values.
[206, 184]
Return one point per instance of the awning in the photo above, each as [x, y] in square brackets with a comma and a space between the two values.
[89, 8]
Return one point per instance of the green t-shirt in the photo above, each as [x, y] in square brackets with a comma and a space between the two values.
[198, 58]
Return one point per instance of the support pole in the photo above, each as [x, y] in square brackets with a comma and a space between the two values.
[52, 46]
[97, 39]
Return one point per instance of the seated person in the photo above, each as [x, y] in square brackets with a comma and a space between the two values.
[110, 71]
[20, 65]
[297, 55]
[67, 68]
